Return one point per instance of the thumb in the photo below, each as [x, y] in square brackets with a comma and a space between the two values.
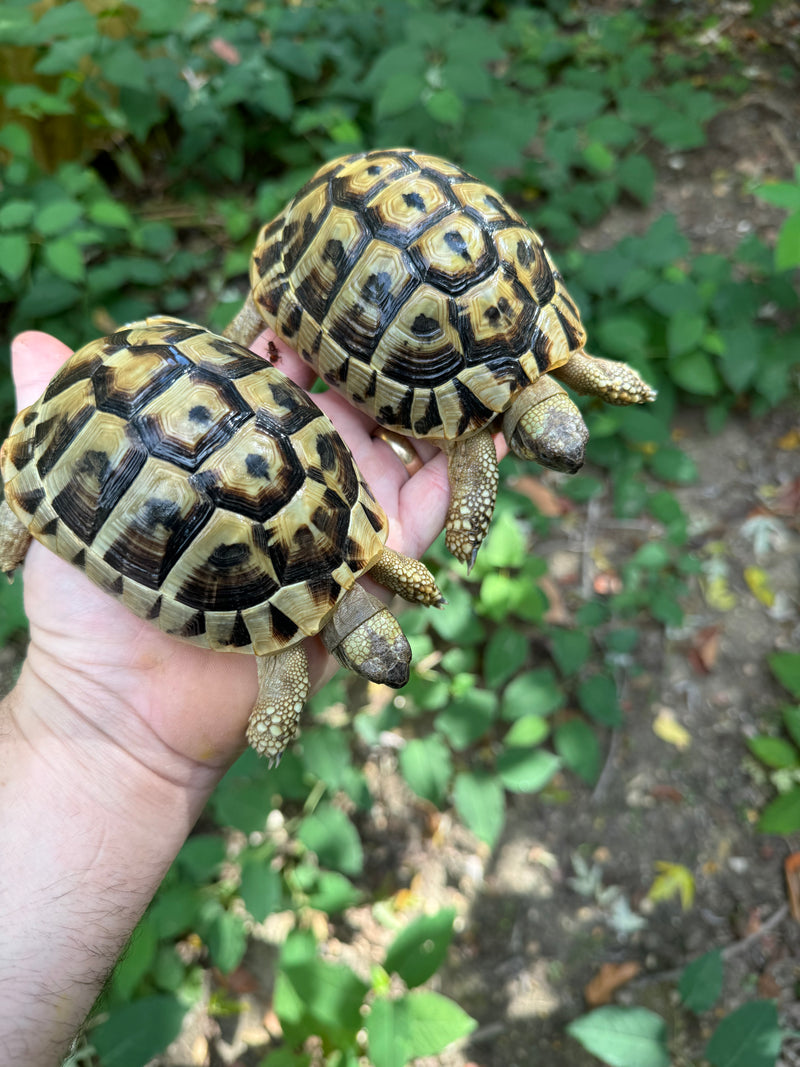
[35, 358]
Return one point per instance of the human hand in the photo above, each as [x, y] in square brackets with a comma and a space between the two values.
[178, 709]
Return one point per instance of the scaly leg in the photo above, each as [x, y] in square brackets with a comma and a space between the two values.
[472, 468]
[14, 540]
[407, 577]
[283, 687]
[616, 383]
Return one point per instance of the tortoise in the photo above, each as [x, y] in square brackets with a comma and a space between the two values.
[426, 299]
[197, 484]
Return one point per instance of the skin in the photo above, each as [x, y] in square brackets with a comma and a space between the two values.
[113, 739]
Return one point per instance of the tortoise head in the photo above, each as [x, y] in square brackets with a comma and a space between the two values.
[366, 638]
[544, 425]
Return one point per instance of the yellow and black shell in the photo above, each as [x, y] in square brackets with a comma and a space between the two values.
[415, 290]
[197, 484]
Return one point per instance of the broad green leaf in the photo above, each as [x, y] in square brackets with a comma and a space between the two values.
[110, 213]
[532, 693]
[418, 951]
[326, 754]
[65, 258]
[773, 751]
[527, 732]
[781, 194]
[505, 652]
[169, 970]
[467, 718]
[136, 960]
[597, 696]
[444, 106]
[570, 648]
[426, 765]
[526, 771]
[566, 106]
[132, 1034]
[782, 816]
[202, 856]
[749, 1037]
[14, 255]
[333, 893]
[786, 668]
[577, 745]
[787, 249]
[175, 910]
[623, 1037]
[225, 936]
[673, 465]
[636, 176]
[673, 880]
[695, 372]
[331, 835]
[418, 1024]
[260, 888]
[701, 982]
[400, 92]
[480, 802]
[684, 333]
[315, 997]
[71, 19]
[791, 720]
[15, 213]
[57, 216]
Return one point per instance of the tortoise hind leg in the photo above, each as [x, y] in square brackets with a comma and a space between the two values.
[246, 325]
[407, 577]
[283, 688]
[472, 469]
[14, 540]
[614, 382]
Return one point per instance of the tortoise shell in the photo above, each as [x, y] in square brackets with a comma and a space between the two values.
[414, 289]
[196, 483]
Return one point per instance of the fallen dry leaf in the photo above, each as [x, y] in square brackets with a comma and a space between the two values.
[787, 500]
[667, 727]
[768, 987]
[610, 978]
[667, 792]
[556, 613]
[548, 502]
[790, 441]
[791, 867]
[704, 650]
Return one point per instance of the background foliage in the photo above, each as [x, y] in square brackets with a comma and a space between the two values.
[142, 144]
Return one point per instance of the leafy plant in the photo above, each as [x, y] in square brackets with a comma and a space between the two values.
[785, 195]
[781, 754]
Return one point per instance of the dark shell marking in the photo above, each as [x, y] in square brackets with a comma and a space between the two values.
[198, 484]
[415, 289]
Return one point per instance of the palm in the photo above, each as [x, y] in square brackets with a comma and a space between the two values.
[143, 689]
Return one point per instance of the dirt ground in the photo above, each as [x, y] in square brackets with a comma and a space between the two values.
[529, 938]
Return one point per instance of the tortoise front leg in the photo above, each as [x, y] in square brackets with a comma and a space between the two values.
[14, 540]
[472, 469]
[614, 382]
[407, 577]
[283, 688]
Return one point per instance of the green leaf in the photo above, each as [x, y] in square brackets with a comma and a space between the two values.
[570, 649]
[225, 936]
[701, 982]
[136, 960]
[684, 333]
[65, 258]
[326, 754]
[695, 372]
[532, 693]
[773, 751]
[526, 732]
[57, 216]
[331, 835]
[399, 93]
[445, 107]
[202, 856]
[524, 771]
[791, 720]
[623, 1037]
[506, 651]
[71, 19]
[750, 1035]
[175, 910]
[598, 698]
[418, 951]
[315, 997]
[15, 213]
[673, 465]
[333, 893]
[506, 543]
[133, 1034]
[636, 176]
[426, 765]
[781, 194]
[480, 802]
[782, 816]
[577, 745]
[110, 213]
[786, 668]
[467, 718]
[260, 888]
[566, 106]
[14, 255]
[419, 1024]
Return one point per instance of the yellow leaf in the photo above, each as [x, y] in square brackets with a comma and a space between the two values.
[673, 881]
[667, 727]
[759, 585]
[718, 594]
[790, 441]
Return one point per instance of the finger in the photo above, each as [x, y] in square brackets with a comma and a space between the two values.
[35, 358]
[423, 503]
